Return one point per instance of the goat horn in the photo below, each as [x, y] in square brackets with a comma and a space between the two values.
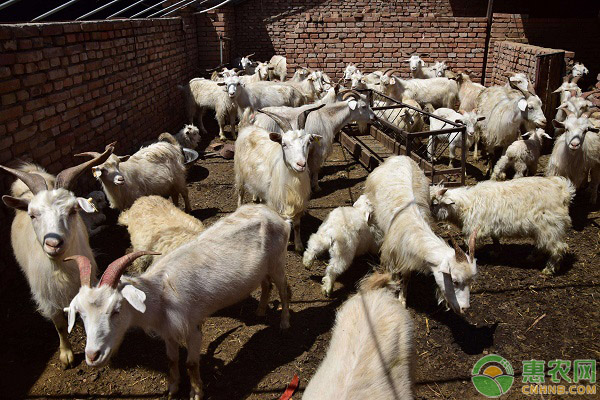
[250, 55]
[459, 253]
[283, 123]
[385, 72]
[35, 182]
[303, 115]
[116, 268]
[85, 269]
[393, 71]
[472, 242]
[350, 93]
[67, 177]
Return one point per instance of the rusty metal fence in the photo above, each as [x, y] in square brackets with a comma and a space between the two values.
[404, 129]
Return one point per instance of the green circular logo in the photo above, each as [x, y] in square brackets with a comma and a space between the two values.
[492, 375]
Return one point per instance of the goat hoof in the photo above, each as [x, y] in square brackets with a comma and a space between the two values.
[549, 271]
[299, 248]
[316, 189]
[67, 360]
[173, 389]
[196, 394]
[284, 325]
[327, 286]
[307, 262]
[261, 312]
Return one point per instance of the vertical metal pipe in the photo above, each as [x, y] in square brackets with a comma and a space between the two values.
[488, 32]
[463, 155]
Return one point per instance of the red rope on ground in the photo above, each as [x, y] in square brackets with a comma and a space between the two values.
[287, 395]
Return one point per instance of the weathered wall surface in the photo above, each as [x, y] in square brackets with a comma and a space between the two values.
[330, 38]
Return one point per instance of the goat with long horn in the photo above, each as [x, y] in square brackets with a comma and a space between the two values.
[47, 228]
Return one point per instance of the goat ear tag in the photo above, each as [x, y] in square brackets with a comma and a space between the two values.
[353, 104]
[522, 104]
[97, 173]
[86, 205]
[135, 297]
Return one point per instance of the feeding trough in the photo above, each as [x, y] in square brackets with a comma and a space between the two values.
[189, 155]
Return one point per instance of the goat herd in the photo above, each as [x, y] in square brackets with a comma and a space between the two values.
[285, 134]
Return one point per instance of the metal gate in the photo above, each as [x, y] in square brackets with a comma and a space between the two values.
[384, 138]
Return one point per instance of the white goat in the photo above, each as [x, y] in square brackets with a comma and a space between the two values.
[157, 169]
[346, 234]
[578, 71]
[371, 352]
[522, 156]
[257, 95]
[531, 207]
[326, 122]
[277, 68]
[351, 68]
[261, 73]
[576, 154]
[369, 81]
[505, 111]
[467, 91]
[174, 297]
[188, 136]
[47, 228]
[155, 224]
[404, 118]
[273, 167]
[440, 92]
[94, 220]
[418, 68]
[469, 119]
[311, 87]
[201, 94]
[399, 192]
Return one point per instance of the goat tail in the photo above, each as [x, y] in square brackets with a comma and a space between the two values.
[167, 137]
[377, 280]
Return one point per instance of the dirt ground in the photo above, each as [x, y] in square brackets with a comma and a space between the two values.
[515, 312]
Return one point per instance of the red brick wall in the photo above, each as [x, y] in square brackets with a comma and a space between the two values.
[211, 25]
[517, 57]
[329, 40]
[576, 35]
[71, 87]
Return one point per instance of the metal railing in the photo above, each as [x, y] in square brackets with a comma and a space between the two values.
[403, 129]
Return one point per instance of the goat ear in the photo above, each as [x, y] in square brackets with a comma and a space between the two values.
[86, 205]
[544, 134]
[557, 124]
[16, 202]
[135, 297]
[274, 136]
[124, 158]
[444, 267]
[352, 104]
[522, 104]
[71, 315]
